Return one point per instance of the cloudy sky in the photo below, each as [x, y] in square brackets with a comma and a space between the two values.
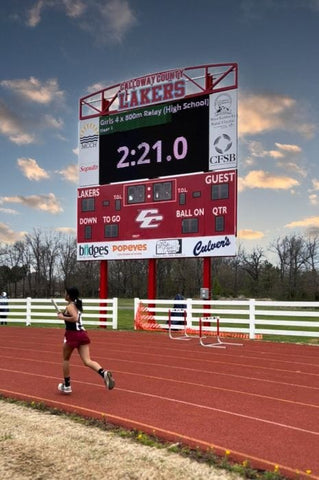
[53, 52]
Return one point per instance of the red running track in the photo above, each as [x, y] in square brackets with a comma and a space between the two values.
[259, 401]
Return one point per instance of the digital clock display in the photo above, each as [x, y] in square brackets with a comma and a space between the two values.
[167, 139]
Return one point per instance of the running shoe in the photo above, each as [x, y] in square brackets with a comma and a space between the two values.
[109, 380]
[62, 388]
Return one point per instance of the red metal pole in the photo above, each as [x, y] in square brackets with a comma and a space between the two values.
[103, 285]
[207, 274]
[151, 288]
[152, 278]
[207, 279]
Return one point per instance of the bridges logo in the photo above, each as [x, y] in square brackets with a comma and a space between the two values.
[89, 135]
[93, 251]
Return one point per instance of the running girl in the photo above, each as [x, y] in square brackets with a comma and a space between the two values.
[77, 337]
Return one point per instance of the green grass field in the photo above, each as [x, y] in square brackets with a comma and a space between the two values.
[126, 314]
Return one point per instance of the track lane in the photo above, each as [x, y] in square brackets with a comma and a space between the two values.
[180, 392]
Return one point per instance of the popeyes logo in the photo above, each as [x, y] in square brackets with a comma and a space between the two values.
[132, 247]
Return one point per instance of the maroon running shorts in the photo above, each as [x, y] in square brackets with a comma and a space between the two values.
[75, 338]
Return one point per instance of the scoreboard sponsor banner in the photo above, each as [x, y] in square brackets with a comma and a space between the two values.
[223, 130]
[196, 247]
[89, 152]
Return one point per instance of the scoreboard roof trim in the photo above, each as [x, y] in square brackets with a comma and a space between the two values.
[199, 80]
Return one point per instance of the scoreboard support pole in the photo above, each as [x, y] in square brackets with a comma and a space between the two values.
[151, 287]
[103, 284]
[207, 280]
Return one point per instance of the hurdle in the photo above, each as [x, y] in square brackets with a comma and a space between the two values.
[177, 337]
[219, 343]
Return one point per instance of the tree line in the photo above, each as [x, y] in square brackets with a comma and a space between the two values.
[43, 264]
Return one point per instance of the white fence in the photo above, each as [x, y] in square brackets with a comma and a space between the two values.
[102, 312]
[251, 317]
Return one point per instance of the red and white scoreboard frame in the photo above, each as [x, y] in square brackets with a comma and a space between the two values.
[158, 166]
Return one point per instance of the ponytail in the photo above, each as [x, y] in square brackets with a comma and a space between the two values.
[73, 294]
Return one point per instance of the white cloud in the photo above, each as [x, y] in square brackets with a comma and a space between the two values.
[314, 199]
[20, 138]
[105, 20]
[34, 14]
[292, 149]
[9, 236]
[9, 211]
[11, 126]
[306, 222]
[67, 230]
[313, 196]
[293, 167]
[34, 91]
[315, 184]
[275, 154]
[96, 87]
[24, 125]
[256, 149]
[268, 112]
[70, 173]
[52, 122]
[119, 17]
[46, 203]
[31, 169]
[266, 180]
[75, 8]
[247, 234]
[283, 155]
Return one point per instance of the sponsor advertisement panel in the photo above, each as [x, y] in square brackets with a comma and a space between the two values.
[197, 247]
[89, 152]
[223, 130]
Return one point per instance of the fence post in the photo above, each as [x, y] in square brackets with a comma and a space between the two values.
[28, 312]
[189, 313]
[252, 318]
[136, 304]
[115, 313]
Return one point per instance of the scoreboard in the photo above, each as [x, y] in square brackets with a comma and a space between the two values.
[158, 166]
[158, 141]
[187, 216]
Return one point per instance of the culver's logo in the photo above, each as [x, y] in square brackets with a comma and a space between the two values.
[202, 248]
[94, 251]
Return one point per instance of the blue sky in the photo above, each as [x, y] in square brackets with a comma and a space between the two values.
[55, 51]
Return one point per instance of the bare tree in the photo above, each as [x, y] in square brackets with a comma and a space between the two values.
[45, 251]
[67, 261]
[293, 256]
[312, 276]
[253, 264]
